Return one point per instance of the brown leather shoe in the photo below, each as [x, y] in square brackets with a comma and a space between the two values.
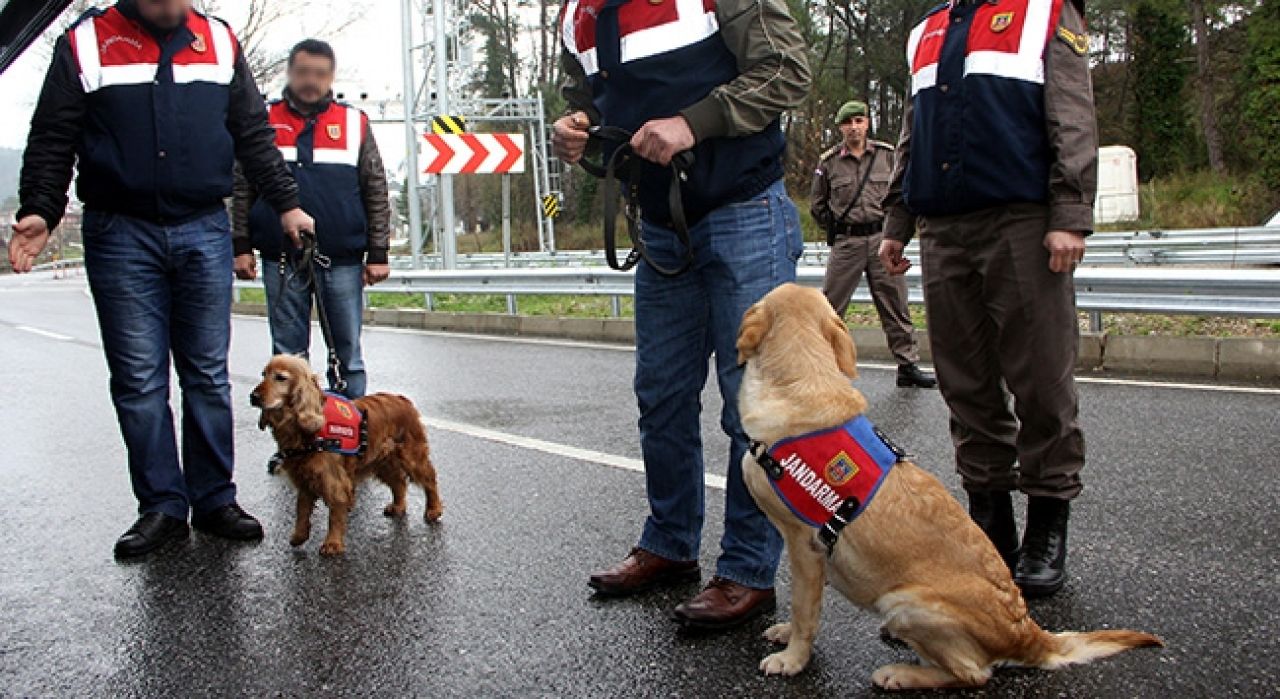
[641, 571]
[723, 604]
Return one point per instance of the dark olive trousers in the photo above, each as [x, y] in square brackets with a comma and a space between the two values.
[1001, 323]
[854, 256]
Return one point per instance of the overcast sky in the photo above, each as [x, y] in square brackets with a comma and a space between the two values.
[368, 61]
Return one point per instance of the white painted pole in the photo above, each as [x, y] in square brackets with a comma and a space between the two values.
[448, 238]
[410, 135]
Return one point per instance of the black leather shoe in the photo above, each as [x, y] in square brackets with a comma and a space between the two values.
[1042, 569]
[228, 522]
[910, 375]
[150, 532]
[992, 510]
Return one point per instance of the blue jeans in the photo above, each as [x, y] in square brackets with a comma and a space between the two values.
[162, 290]
[742, 251]
[289, 312]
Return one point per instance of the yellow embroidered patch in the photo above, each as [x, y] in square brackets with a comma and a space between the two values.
[1078, 42]
[1001, 22]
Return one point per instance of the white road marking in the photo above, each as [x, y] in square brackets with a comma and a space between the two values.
[591, 456]
[44, 333]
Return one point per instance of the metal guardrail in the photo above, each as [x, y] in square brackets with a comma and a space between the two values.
[1204, 292]
[1210, 246]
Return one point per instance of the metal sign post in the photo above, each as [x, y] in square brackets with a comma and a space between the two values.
[410, 136]
[449, 235]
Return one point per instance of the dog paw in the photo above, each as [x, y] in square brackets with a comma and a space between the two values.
[783, 663]
[434, 515]
[779, 633]
[332, 548]
[299, 538]
[894, 677]
[394, 510]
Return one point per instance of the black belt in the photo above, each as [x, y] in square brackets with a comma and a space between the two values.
[622, 156]
[859, 230]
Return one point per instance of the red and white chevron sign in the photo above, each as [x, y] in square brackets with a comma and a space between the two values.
[467, 153]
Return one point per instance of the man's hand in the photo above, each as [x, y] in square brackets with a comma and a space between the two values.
[295, 222]
[30, 235]
[659, 141]
[246, 267]
[1066, 249]
[892, 257]
[569, 137]
[376, 273]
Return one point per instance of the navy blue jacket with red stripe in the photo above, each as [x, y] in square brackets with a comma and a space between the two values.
[153, 120]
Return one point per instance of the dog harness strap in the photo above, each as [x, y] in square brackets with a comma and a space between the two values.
[827, 478]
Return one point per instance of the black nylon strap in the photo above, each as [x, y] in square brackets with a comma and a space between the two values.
[312, 258]
[624, 158]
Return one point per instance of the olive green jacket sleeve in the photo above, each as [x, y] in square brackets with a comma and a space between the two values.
[1072, 126]
[773, 73]
[773, 69]
[900, 223]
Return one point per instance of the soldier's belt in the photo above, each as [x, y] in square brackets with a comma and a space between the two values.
[859, 230]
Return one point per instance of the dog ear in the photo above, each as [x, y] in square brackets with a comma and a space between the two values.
[838, 335]
[755, 325]
[308, 402]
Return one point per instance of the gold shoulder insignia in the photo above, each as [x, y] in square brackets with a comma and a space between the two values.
[829, 152]
[1078, 42]
[882, 144]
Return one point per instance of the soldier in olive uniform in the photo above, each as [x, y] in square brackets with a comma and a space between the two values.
[848, 187]
[997, 171]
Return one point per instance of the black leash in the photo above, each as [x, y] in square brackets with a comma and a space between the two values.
[306, 269]
[624, 159]
[835, 226]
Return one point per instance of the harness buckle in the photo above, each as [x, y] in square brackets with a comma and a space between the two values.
[830, 531]
[766, 461]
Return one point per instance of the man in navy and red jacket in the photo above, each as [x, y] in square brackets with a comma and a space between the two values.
[713, 77]
[152, 102]
[330, 149]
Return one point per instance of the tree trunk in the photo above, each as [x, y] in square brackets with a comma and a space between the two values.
[1204, 86]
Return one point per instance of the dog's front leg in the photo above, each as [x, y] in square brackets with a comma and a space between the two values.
[808, 577]
[334, 538]
[302, 524]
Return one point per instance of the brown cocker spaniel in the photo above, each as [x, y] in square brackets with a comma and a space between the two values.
[294, 407]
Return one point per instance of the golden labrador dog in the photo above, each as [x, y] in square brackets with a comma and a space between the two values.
[913, 556]
[293, 406]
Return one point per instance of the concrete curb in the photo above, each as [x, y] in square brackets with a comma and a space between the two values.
[1233, 358]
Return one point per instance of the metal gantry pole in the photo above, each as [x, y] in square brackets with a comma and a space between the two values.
[448, 237]
[410, 102]
[506, 220]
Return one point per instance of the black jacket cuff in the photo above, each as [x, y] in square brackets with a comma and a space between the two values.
[375, 256]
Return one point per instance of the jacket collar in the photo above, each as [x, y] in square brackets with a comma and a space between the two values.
[308, 110]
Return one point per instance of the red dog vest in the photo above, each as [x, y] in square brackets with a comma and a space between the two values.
[344, 427]
[832, 474]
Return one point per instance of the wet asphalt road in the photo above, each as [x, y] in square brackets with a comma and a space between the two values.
[1174, 534]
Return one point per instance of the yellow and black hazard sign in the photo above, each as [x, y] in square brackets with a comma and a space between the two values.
[448, 125]
[551, 205]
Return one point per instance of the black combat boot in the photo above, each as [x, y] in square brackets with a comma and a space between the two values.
[1042, 570]
[910, 375]
[992, 510]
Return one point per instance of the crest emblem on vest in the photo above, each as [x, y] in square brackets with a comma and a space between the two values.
[841, 469]
[198, 44]
[334, 131]
[1001, 22]
[344, 410]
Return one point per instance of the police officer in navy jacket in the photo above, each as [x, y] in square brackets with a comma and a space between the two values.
[714, 77]
[997, 170]
[330, 149]
[151, 101]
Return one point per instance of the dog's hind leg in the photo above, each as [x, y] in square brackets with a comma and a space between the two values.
[953, 658]
[417, 461]
[399, 484]
[302, 523]
[808, 576]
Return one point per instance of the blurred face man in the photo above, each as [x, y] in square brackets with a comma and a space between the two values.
[165, 14]
[854, 129]
[310, 76]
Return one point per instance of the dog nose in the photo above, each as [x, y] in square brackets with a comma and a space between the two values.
[255, 399]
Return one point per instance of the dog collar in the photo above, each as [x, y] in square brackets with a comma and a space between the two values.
[827, 478]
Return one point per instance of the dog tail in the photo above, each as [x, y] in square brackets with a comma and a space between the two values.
[1080, 647]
